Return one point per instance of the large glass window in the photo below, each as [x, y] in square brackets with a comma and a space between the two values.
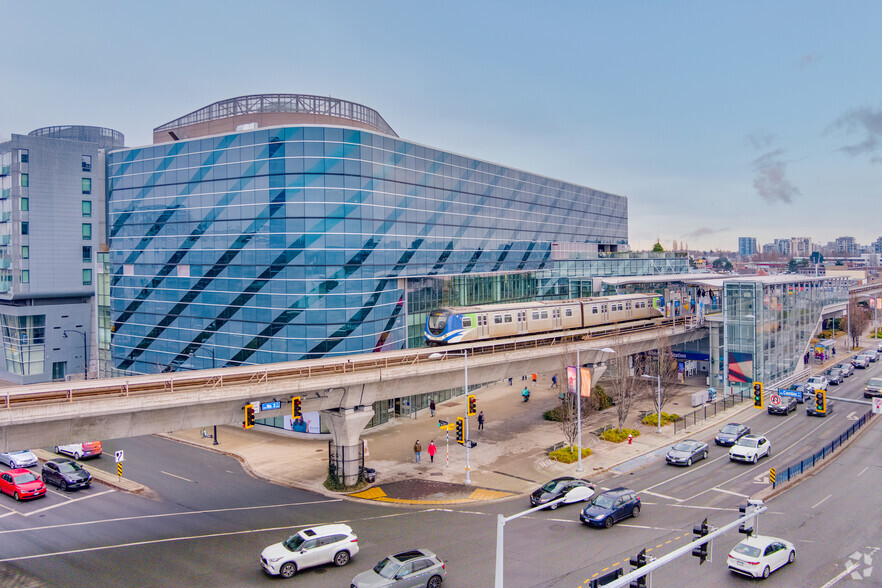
[87, 232]
[24, 343]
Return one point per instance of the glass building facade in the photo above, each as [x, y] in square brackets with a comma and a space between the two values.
[305, 241]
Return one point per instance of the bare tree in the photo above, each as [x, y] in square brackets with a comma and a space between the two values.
[568, 409]
[858, 320]
[626, 389]
[666, 366]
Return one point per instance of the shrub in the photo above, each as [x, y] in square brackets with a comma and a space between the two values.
[600, 399]
[651, 419]
[555, 414]
[568, 455]
[619, 435]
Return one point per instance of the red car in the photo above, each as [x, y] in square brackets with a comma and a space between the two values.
[21, 484]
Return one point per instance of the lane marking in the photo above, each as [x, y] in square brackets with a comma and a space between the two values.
[70, 501]
[822, 501]
[178, 477]
[732, 493]
[661, 495]
[862, 471]
[848, 569]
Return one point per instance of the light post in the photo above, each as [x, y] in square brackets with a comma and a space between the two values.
[85, 350]
[467, 441]
[210, 351]
[579, 397]
[658, 376]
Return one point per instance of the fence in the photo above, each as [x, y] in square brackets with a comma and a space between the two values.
[710, 409]
[806, 464]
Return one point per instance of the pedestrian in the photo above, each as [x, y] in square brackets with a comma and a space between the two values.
[834, 350]
[432, 450]
[534, 377]
[509, 382]
[554, 381]
[481, 421]
[432, 406]
[417, 449]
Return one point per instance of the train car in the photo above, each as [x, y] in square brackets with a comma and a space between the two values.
[466, 324]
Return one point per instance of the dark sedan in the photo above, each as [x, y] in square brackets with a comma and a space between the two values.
[813, 411]
[785, 406]
[568, 488]
[846, 368]
[834, 375]
[731, 433]
[610, 507]
[66, 474]
[687, 451]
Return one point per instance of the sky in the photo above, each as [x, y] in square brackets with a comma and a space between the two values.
[715, 119]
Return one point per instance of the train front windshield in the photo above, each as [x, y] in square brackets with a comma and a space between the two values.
[436, 321]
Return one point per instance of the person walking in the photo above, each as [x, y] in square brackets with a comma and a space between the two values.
[535, 376]
[554, 381]
[417, 449]
[481, 421]
[432, 406]
[432, 450]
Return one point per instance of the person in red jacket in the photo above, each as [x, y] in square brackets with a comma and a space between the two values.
[432, 450]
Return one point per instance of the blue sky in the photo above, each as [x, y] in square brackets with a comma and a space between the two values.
[716, 120]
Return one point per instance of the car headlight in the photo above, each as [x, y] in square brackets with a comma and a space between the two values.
[274, 559]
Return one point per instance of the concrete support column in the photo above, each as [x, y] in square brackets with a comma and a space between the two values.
[346, 425]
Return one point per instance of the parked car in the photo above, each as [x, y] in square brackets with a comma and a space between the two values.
[310, 547]
[873, 388]
[860, 361]
[571, 489]
[18, 459]
[846, 368]
[21, 484]
[799, 387]
[610, 507]
[418, 567]
[834, 376]
[80, 450]
[816, 383]
[811, 410]
[750, 448]
[731, 433]
[65, 474]
[687, 451]
[759, 556]
[788, 405]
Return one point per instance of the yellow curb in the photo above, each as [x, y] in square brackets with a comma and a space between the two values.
[370, 494]
[482, 494]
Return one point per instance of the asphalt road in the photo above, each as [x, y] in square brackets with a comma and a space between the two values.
[207, 521]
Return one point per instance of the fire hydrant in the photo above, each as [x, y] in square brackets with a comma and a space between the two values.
[630, 437]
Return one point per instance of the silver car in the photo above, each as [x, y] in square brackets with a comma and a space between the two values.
[18, 459]
[408, 569]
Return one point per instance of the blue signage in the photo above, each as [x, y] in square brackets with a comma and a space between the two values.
[793, 393]
[271, 405]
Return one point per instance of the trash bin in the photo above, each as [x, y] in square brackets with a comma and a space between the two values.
[370, 475]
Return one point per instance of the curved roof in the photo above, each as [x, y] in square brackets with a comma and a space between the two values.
[106, 138]
[297, 104]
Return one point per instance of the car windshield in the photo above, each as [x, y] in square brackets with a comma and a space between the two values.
[24, 478]
[387, 568]
[19, 452]
[603, 501]
[748, 550]
[747, 442]
[294, 542]
[553, 486]
[69, 467]
[876, 382]
[682, 446]
[730, 429]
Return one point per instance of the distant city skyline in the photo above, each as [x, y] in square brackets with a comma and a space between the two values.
[710, 137]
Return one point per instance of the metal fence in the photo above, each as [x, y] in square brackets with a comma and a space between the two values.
[711, 409]
[339, 456]
[806, 464]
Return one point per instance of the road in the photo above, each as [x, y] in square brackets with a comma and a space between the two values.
[207, 521]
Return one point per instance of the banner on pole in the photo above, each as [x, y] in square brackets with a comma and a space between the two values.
[572, 381]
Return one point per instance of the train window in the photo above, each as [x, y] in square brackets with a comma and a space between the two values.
[482, 319]
[522, 316]
[603, 308]
[467, 321]
[535, 315]
[545, 314]
[568, 312]
[593, 310]
[497, 319]
[508, 318]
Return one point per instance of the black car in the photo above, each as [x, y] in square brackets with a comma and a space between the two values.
[66, 474]
[812, 412]
[731, 433]
[687, 451]
[834, 375]
[569, 488]
[610, 507]
[786, 406]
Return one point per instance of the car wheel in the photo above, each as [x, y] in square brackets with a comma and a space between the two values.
[64, 485]
[704, 456]
[78, 456]
[16, 496]
[769, 452]
[689, 462]
[341, 559]
[792, 557]
[55, 449]
[755, 458]
[636, 512]
[608, 522]
[44, 478]
[288, 570]
[554, 506]
[434, 582]
[766, 572]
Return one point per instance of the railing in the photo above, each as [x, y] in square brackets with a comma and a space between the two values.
[711, 409]
[786, 474]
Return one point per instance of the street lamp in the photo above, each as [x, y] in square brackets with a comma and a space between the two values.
[209, 351]
[465, 355]
[85, 350]
[579, 396]
[647, 376]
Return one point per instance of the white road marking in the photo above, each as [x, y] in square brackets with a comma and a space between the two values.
[732, 493]
[174, 476]
[660, 495]
[848, 568]
[862, 471]
[71, 501]
[822, 501]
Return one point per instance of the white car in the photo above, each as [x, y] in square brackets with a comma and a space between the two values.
[19, 459]
[816, 383]
[80, 450]
[759, 556]
[750, 448]
[308, 548]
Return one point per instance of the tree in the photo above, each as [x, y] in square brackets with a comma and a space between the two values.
[657, 248]
[625, 388]
[667, 366]
[674, 246]
[795, 264]
[721, 263]
[858, 319]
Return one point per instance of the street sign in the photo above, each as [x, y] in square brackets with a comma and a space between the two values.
[441, 423]
[774, 400]
[271, 405]
[877, 405]
[792, 393]
[118, 456]
[772, 476]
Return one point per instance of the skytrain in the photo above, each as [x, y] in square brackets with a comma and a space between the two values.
[465, 324]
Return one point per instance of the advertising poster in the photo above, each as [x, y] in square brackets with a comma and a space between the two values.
[572, 381]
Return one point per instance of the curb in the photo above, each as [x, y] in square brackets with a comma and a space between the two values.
[100, 476]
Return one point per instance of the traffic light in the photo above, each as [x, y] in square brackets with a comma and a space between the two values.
[701, 531]
[460, 432]
[249, 416]
[637, 562]
[820, 401]
[758, 394]
[472, 409]
[296, 408]
[746, 528]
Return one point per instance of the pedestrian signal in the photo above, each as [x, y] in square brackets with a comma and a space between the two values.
[758, 394]
[249, 416]
[296, 408]
[472, 403]
[460, 431]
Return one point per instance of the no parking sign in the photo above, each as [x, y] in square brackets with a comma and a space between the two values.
[877, 405]
[774, 400]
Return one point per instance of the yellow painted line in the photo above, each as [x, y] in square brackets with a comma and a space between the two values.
[482, 494]
[370, 493]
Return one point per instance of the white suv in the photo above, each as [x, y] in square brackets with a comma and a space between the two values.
[308, 548]
[816, 383]
[750, 448]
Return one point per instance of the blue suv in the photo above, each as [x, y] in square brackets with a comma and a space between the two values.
[610, 507]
